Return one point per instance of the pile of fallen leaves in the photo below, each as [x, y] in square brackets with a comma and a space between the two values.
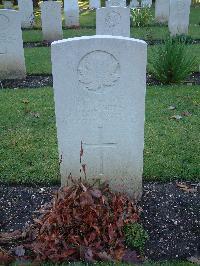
[81, 223]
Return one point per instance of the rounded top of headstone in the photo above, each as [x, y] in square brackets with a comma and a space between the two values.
[97, 37]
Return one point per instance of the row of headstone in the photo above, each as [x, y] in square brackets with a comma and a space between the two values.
[71, 12]
[176, 13]
[109, 21]
[133, 3]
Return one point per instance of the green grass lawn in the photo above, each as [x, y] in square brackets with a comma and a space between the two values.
[28, 147]
[38, 60]
[178, 263]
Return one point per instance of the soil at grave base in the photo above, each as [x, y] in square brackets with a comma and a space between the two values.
[170, 215]
[44, 80]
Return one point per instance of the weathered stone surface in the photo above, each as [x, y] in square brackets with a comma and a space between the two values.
[12, 62]
[179, 16]
[113, 21]
[134, 3]
[71, 11]
[93, 4]
[162, 10]
[99, 92]
[51, 20]
[7, 4]
[146, 3]
[121, 3]
[26, 12]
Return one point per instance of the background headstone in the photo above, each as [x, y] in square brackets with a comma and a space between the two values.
[12, 62]
[121, 3]
[94, 4]
[179, 13]
[134, 3]
[146, 3]
[51, 20]
[113, 21]
[99, 92]
[71, 11]
[162, 10]
[7, 4]
[26, 12]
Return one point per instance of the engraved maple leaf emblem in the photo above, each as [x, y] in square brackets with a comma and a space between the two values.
[97, 70]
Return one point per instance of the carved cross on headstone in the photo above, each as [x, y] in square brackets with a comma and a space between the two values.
[101, 146]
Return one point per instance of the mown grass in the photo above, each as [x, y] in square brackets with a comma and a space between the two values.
[173, 263]
[145, 33]
[38, 60]
[28, 147]
[171, 146]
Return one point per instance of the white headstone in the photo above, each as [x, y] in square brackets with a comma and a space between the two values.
[71, 10]
[99, 92]
[12, 62]
[113, 21]
[134, 3]
[51, 20]
[26, 12]
[94, 4]
[146, 3]
[162, 10]
[121, 3]
[179, 16]
[7, 4]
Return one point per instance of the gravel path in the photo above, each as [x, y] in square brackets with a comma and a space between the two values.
[171, 215]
